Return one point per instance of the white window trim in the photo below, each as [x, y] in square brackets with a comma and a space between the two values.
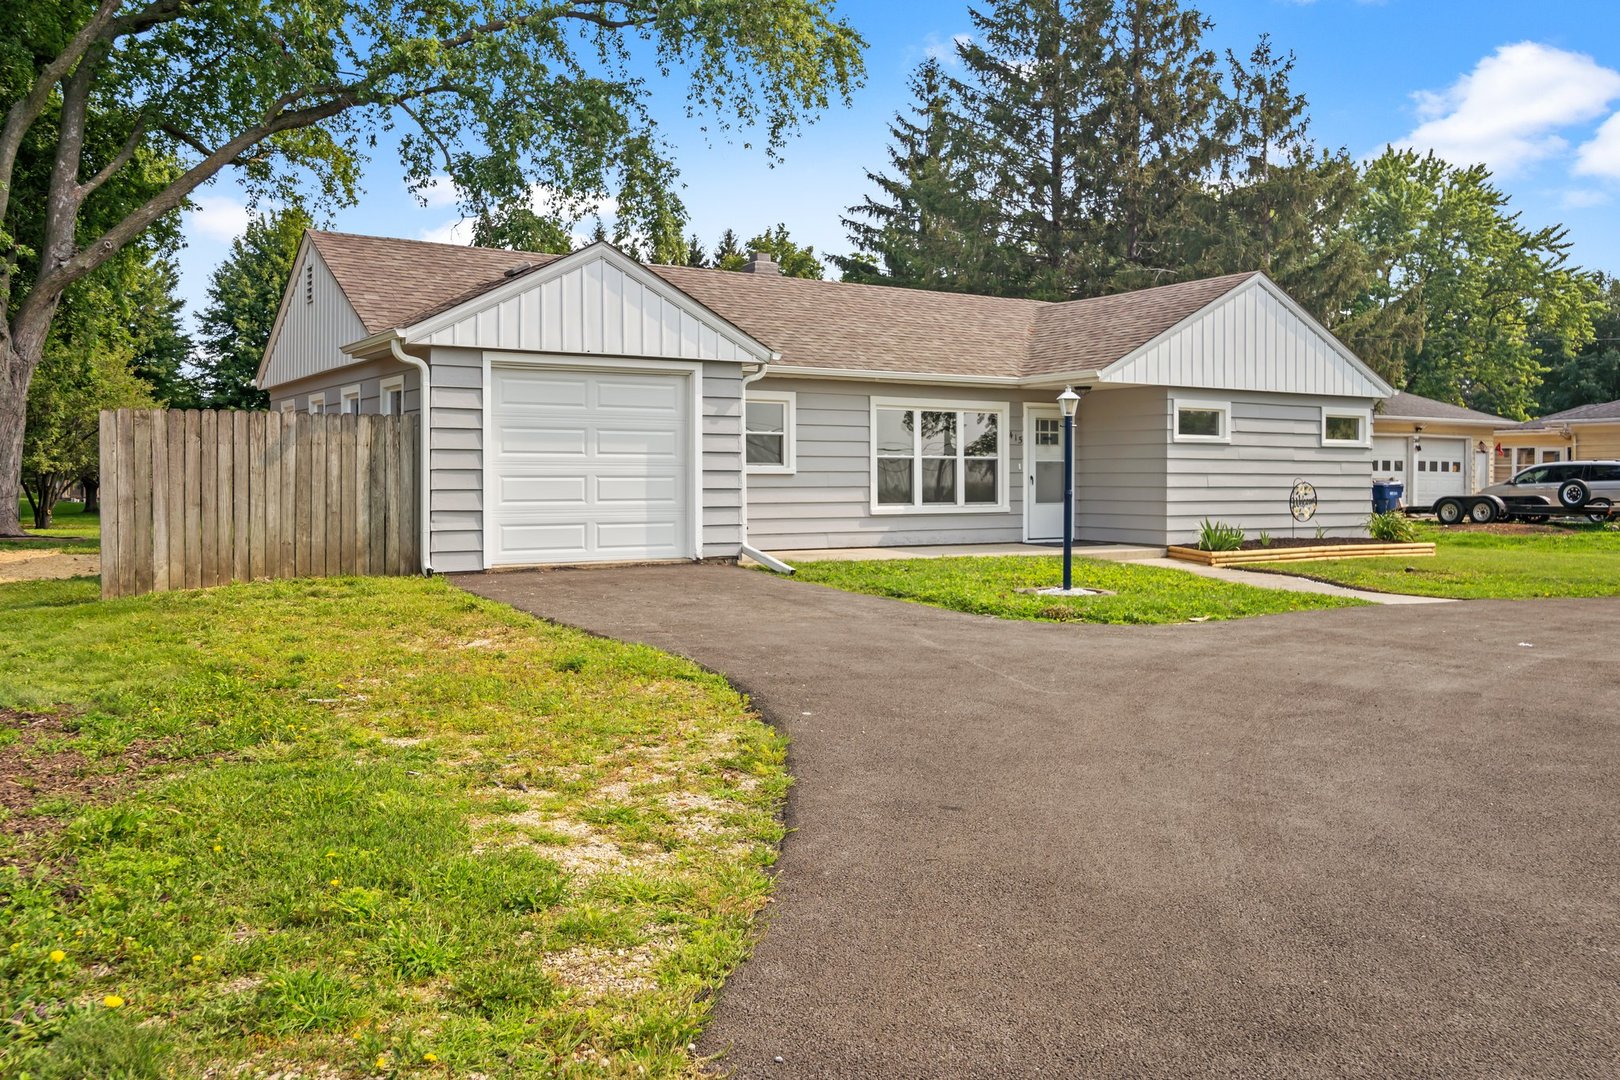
[1222, 407]
[386, 387]
[346, 395]
[790, 407]
[1363, 415]
[1002, 410]
[290, 405]
[317, 404]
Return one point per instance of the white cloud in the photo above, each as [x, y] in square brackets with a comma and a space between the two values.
[1583, 199]
[436, 193]
[216, 217]
[1601, 155]
[1508, 111]
[453, 231]
[938, 48]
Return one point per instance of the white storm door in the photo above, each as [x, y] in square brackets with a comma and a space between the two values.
[1043, 465]
[588, 465]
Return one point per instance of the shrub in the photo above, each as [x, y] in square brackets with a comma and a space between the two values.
[1392, 527]
[1219, 536]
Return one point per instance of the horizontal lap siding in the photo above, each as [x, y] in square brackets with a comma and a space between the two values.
[826, 503]
[1276, 439]
[722, 521]
[1120, 440]
[456, 463]
[367, 374]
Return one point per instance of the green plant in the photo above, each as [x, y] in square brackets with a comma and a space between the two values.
[1392, 527]
[1321, 532]
[1219, 536]
[1265, 539]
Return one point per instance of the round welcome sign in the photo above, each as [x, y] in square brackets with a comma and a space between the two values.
[1302, 501]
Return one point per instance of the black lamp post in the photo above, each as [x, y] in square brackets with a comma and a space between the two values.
[1070, 401]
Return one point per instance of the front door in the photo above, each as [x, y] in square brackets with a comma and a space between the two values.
[1043, 462]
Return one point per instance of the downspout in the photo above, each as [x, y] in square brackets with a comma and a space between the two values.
[422, 469]
[770, 562]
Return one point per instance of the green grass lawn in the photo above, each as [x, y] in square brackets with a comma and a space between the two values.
[77, 530]
[989, 585]
[1575, 561]
[364, 828]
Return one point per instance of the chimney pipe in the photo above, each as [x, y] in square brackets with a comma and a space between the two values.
[760, 262]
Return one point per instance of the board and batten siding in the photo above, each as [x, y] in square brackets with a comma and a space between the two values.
[1276, 439]
[1120, 441]
[315, 323]
[827, 501]
[593, 308]
[1250, 340]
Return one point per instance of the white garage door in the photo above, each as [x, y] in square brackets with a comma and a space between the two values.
[1389, 459]
[1442, 469]
[588, 466]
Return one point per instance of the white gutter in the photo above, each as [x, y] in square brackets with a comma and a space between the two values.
[770, 562]
[423, 470]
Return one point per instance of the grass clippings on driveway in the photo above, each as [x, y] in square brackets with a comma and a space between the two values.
[1469, 564]
[365, 828]
[989, 585]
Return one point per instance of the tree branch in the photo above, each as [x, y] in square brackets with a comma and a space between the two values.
[119, 160]
[495, 26]
[28, 108]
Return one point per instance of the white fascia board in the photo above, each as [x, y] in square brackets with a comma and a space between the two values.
[600, 249]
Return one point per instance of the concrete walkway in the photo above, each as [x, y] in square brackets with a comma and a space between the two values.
[1301, 846]
[1290, 583]
[1111, 552]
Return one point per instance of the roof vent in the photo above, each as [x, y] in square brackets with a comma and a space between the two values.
[520, 268]
[760, 262]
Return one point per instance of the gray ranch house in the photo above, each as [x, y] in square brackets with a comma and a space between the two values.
[588, 408]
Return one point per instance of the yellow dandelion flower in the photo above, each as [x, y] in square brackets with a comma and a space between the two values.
[218, 847]
[78, 933]
[336, 882]
[382, 1061]
[196, 958]
[430, 1057]
[113, 1001]
[57, 956]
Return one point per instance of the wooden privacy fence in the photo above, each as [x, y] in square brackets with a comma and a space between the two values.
[197, 498]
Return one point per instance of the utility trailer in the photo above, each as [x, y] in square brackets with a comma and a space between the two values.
[1574, 500]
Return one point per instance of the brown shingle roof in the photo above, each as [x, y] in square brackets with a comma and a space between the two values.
[815, 324]
[1603, 410]
[1416, 407]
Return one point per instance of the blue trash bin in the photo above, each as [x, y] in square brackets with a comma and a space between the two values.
[1387, 495]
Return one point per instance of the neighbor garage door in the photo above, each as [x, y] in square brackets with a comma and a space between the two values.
[588, 466]
[1441, 469]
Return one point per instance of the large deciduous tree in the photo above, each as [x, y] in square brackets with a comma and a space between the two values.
[1491, 297]
[99, 96]
[1591, 374]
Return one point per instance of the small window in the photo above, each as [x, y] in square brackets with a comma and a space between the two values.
[1344, 428]
[1203, 421]
[391, 396]
[290, 405]
[349, 401]
[1048, 431]
[317, 404]
[768, 431]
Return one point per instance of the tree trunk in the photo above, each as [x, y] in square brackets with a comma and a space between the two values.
[45, 495]
[92, 494]
[13, 413]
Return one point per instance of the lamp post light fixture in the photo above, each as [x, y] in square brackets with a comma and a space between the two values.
[1070, 401]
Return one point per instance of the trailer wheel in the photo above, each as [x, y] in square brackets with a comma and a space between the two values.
[1448, 511]
[1600, 511]
[1482, 512]
[1573, 494]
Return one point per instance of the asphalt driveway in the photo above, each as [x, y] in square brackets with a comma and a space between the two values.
[1302, 845]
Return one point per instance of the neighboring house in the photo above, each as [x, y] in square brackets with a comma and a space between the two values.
[588, 408]
[1433, 448]
[1584, 433]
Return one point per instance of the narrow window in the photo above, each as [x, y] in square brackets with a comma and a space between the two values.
[317, 404]
[391, 400]
[349, 401]
[768, 431]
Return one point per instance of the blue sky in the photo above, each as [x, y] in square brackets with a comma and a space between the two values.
[1530, 88]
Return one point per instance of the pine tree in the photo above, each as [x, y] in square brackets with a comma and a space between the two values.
[242, 303]
[925, 229]
[695, 255]
[728, 253]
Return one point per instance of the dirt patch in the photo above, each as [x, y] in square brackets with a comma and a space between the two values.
[46, 565]
[1515, 528]
[29, 773]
